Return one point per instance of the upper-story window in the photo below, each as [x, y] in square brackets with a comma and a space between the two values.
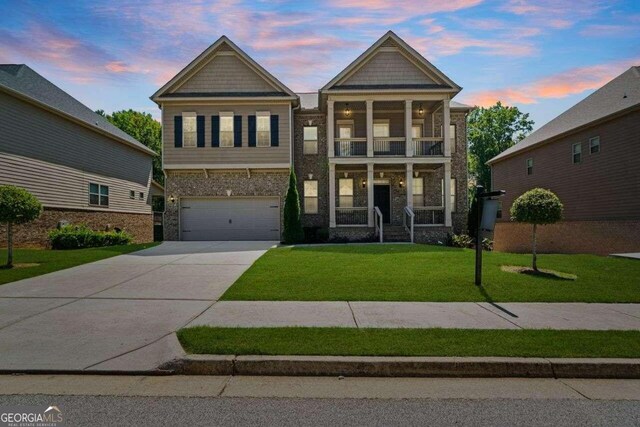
[226, 129]
[452, 137]
[310, 144]
[381, 128]
[263, 124]
[416, 129]
[98, 195]
[594, 145]
[189, 130]
[576, 151]
[529, 166]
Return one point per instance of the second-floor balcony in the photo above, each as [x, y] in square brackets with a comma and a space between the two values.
[401, 128]
[389, 147]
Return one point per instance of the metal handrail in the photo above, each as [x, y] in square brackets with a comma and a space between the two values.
[378, 223]
[408, 211]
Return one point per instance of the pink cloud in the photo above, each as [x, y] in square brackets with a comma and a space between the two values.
[445, 43]
[570, 82]
[412, 6]
[556, 14]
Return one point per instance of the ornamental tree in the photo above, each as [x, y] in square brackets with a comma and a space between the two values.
[293, 232]
[17, 206]
[537, 207]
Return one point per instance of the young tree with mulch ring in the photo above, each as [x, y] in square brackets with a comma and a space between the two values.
[537, 207]
[293, 232]
[17, 206]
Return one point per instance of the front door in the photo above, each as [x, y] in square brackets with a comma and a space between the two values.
[382, 199]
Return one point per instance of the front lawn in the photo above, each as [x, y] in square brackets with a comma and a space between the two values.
[410, 342]
[49, 260]
[429, 273]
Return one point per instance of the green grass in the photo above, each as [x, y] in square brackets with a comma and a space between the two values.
[410, 342]
[50, 260]
[429, 273]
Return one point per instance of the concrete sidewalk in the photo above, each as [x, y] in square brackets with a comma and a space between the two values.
[422, 315]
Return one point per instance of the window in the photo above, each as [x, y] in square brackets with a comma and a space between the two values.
[141, 195]
[132, 194]
[264, 128]
[189, 128]
[529, 166]
[345, 193]
[310, 145]
[381, 129]
[311, 197]
[576, 150]
[453, 193]
[452, 137]
[594, 145]
[226, 129]
[418, 192]
[345, 130]
[416, 131]
[98, 194]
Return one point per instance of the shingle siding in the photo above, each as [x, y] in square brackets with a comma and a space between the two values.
[388, 68]
[56, 159]
[226, 155]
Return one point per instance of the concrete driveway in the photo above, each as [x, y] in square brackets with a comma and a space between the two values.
[119, 313]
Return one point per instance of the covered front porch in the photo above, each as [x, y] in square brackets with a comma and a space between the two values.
[400, 195]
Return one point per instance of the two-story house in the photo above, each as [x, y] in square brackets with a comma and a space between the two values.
[379, 149]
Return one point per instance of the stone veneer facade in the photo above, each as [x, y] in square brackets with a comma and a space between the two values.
[181, 184]
[35, 234]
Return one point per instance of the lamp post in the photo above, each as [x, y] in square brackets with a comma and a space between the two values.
[485, 223]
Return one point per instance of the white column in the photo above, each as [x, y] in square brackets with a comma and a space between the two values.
[332, 195]
[447, 194]
[330, 129]
[408, 124]
[370, 217]
[446, 121]
[409, 184]
[369, 128]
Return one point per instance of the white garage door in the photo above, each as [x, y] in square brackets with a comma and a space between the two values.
[230, 219]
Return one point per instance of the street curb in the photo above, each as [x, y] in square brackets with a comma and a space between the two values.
[494, 367]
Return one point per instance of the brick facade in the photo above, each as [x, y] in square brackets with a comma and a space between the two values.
[594, 237]
[195, 184]
[35, 234]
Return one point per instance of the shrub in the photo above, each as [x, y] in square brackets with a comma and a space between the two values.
[80, 236]
[17, 206]
[537, 207]
[293, 232]
[466, 241]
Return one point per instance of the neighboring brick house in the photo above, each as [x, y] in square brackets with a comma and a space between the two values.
[393, 148]
[588, 156]
[81, 167]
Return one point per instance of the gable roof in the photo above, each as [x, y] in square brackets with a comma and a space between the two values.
[618, 95]
[280, 90]
[23, 82]
[390, 38]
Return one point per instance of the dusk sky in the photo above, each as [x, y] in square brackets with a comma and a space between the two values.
[541, 55]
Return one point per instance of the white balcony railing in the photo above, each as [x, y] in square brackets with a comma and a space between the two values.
[428, 215]
[393, 146]
[428, 146]
[350, 147]
[352, 216]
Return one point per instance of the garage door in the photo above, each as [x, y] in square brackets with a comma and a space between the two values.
[230, 219]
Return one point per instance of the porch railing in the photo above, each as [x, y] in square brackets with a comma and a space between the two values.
[428, 215]
[389, 146]
[352, 216]
[428, 146]
[350, 147]
[408, 220]
[379, 223]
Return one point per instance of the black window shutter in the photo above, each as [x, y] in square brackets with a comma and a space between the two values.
[252, 131]
[237, 131]
[200, 130]
[177, 131]
[215, 131]
[275, 131]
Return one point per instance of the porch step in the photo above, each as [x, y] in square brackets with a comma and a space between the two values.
[395, 234]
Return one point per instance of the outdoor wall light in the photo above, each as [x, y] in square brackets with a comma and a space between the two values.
[381, 174]
[346, 174]
[310, 176]
[401, 183]
[172, 199]
[229, 193]
[420, 110]
[416, 173]
[364, 183]
[347, 110]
